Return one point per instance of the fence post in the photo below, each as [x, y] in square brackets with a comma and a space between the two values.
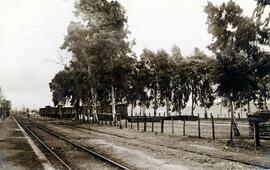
[120, 125]
[162, 126]
[159, 120]
[184, 128]
[153, 123]
[256, 134]
[172, 125]
[199, 126]
[131, 119]
[213, 127]
[162, 123]
[110, 121]
[138, 125]
[144, 123]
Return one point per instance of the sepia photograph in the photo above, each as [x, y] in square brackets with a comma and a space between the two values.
[134, 84]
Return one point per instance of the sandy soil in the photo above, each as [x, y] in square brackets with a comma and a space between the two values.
[15, 152]
[161, 151]
[75, 158]
[222, 128]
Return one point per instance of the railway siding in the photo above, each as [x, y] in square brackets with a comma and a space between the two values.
[70, 154]
[173, 148]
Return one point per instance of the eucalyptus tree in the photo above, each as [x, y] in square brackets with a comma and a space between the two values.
[123, 74]
[149, 59]
[60, 87]
[235, 46]
[82, 86]
[263, 77]
[164, 74]
[82, 48]
[180, 85]
[1, 95]
[132, 95]
[159, 78]
[206, 94]
[263, 64]
[143, 83]
[176, 54]
[195, 72]
[72, 86]
[102, 42]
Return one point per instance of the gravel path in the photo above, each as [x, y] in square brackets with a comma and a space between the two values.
[157, 151]
[15, 151]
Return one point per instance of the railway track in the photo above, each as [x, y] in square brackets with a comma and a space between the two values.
[255, 164]
[85, 129]
[64, 163]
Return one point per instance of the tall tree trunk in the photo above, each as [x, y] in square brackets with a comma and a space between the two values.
[113, 105]
[220, 112]
[231, 131]
[155, 104]
[94, 97]
[144, 107]
[205, 113]
[265, 104]
[140, 110]
[167, 106]
[84, 113]
[132, 107]
[77, 105]
[248, 105]
[192, 102]
[88, 110]
[59, 111]
[94, 106]
[179, 108]
[241, 108]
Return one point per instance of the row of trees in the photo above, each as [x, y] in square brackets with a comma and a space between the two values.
[1, 95]
[103, 69]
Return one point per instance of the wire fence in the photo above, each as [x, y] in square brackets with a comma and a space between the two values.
[214, 128]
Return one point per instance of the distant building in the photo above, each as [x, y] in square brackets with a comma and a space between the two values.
[5, 107]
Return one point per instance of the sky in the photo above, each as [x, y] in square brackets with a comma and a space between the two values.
[31, 32]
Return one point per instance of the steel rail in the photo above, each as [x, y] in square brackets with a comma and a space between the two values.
[43, 144]
[83, 148]
[185, 150]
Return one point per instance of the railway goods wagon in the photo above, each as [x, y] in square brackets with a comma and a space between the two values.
[5, 107]
[121, 110]
[57, 112]
[67, 112]
[70, 112]
[262, 119]
[51, 111]
[42, 112]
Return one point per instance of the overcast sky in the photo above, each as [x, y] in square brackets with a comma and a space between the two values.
[31, 32]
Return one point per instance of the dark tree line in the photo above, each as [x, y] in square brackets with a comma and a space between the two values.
[104, 71]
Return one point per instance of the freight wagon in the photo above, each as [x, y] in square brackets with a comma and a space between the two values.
[5, 107]
[71, 112]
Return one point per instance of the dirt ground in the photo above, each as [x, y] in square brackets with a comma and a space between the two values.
[222, 128]
[74, 157]
[15, 152]
[147, 150]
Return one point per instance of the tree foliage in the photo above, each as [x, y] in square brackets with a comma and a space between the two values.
[104, 71]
